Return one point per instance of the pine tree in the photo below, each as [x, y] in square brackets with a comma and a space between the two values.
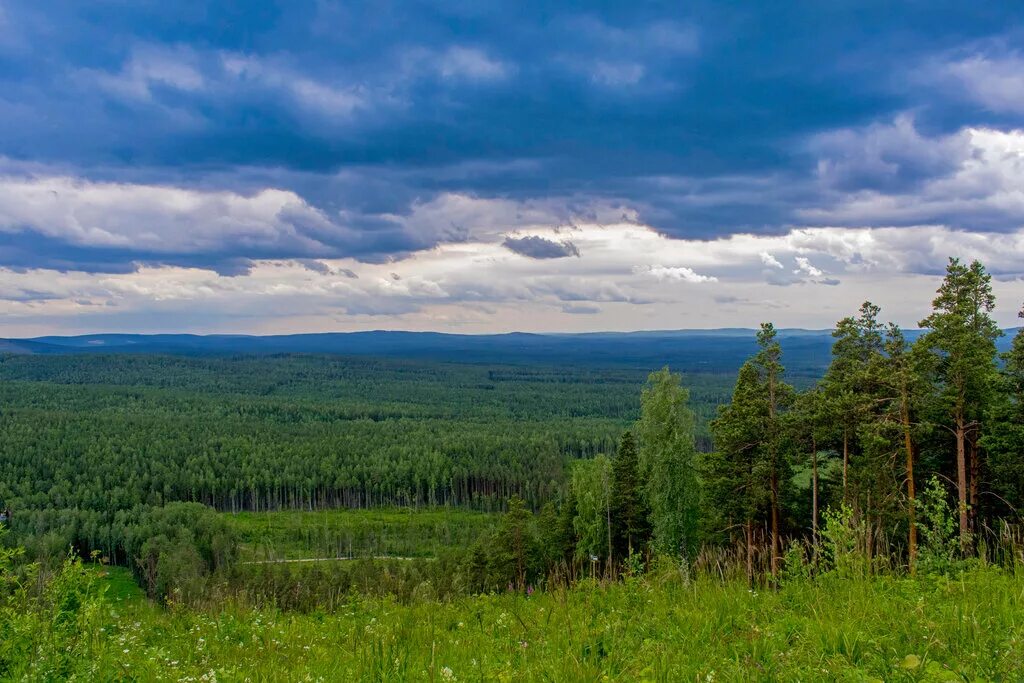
[961, 343]
[847, 383]
[778, 397]
[1004, 441]
[904, 382]
[809, 424]
[515, 552]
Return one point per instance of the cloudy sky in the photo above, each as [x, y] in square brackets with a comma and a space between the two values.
[485, 166]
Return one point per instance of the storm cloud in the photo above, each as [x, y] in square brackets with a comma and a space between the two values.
[148, 141]
[538, 247]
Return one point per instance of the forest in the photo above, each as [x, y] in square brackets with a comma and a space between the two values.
[361, 490]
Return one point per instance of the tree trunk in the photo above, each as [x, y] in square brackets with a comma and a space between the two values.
[909, 446]
[814, 497]
[750, 552]
[608, 523]
[846, 462]
[972, 488]
[961, 479]
[775, 526]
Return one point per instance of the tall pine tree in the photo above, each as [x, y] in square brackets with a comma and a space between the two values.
[960, 341]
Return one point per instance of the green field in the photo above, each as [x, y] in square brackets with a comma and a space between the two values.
[661, 628]
[386, 532]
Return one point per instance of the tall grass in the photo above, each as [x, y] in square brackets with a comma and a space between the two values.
[395, 532]
[659, 627]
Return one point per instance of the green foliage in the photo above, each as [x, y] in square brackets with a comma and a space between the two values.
[940, 550]
[1004, 440]
[796, 566]
[668, 463]
[50, 629]
[843, 538]
[850, 388]
[514, 558]
[174, 549]
[748, 478]
[630, 516]
[960, 347]
[737, 476]
[591, 487]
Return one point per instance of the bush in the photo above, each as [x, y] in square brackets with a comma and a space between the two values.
[174, 549]
[939, 551]
[843, 535]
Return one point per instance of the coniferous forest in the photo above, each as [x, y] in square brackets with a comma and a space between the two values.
[857, 520]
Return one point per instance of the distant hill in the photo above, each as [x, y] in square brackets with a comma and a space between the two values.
[806, 351]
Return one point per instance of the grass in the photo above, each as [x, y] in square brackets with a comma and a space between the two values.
[391, 532]
[118, 584]
[657, 629]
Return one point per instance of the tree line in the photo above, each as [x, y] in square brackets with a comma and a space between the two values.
[888, 416]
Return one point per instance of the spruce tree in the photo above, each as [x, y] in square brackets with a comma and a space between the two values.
[737, 474]
[631, 527]
[750, 469]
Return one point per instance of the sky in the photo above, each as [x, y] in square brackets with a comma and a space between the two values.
[483, 166]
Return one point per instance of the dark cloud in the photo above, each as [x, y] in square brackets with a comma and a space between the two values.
[540, 248]
[707, 120]
[315, 266]
[27, 295]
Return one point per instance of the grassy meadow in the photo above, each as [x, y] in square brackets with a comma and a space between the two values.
[661, 627]
[380, 532]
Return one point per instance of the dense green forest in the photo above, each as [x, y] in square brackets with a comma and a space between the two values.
[87, 443]
[111, 432]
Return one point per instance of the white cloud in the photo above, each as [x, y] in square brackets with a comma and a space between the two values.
[470, 63]
[477, 285]
[678, 274]
[882, 154]
[312, 94]
[995, 82]
[156, 218]
[462, 277]
[149, 67]
[804, 265]
[973, 178]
